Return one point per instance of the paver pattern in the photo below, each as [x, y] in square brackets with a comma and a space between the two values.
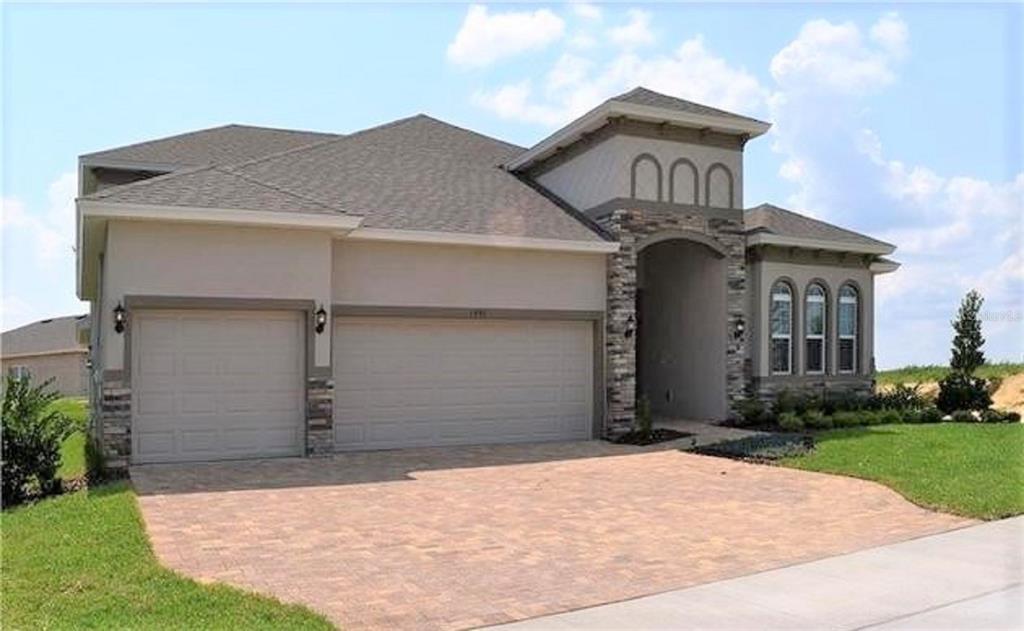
[462, 537]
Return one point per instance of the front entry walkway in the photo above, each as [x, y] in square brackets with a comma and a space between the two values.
[462, 537]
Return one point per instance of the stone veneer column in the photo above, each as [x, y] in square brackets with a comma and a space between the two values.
[113, 429]
[320, 414]
[629, 226]
[620, 327]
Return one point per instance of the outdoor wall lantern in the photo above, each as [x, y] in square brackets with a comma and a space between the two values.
[630, 326]
[119, 318]
[738, 331]
[320, 319]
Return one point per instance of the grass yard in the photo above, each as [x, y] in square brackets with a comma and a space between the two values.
[973, 470]
[73, 450]
[82, 560]
[922, 374]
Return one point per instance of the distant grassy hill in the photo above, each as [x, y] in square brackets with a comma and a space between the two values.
[922, 374]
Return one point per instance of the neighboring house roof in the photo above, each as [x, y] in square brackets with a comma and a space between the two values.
[643, 96]
[218, 145]
[46, 336]
[417, 173]
[794, 229]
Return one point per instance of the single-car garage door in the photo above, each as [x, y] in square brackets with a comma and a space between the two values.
[410, 382]
[216, 385]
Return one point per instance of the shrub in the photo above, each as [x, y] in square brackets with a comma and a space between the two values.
[962, 392]
[848, 418]
[1011, 417]
[644, 420]
[888, 417]
[787, 401]
[1000, 416]
[963, 416]
[816, 419]
[791, 422]
[931, 414]
[833, 402]
[753, 412]
[32, 435]
[900, 397]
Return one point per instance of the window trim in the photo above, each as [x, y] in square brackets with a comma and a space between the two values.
[19, 371]
[809, 297]
[855, 336]
[772, 336]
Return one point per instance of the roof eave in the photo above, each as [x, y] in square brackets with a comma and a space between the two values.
[769, 238]
[598, 116]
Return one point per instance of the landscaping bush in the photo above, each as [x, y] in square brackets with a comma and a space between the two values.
[888, 417]
[1000, 416]
[962, 392]
[816, 419]
[963, 416]
[900, 397]
[753, 412]
[791, 422]
[931, 414]
[32, 436]
[849, 418]
[833, 402]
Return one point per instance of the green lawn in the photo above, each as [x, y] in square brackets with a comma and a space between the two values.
[973, 470]
[82, 560]
[919, 374]
[72, 452]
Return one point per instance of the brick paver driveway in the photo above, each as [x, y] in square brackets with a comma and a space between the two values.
[462, 537]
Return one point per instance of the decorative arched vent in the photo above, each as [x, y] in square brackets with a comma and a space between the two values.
[645, 178]
[718, 186]
[683, 182]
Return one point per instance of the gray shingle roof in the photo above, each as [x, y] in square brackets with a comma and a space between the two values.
[417, 173]
[51, 334]
[643, 96]
[219, 145]
[775, 220]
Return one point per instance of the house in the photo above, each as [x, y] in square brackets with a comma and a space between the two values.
[259, 292]
[48, 349]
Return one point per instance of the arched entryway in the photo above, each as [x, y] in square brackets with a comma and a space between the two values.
[682, 326]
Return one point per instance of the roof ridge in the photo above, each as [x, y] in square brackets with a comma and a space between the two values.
[283, 129]
[472, 131]
[281, 190]
[645, 90]
[314, 145]
[155, 140]
[766, 206]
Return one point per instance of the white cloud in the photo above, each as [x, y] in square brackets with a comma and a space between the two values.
[53, 230]
[586, 10]
[836, 57]
[576, 84]
[38, 256]
[636, 32]
[485, 37]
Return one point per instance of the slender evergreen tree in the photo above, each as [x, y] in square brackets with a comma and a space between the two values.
[967, 341]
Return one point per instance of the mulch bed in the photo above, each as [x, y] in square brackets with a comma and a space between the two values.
[656, 436]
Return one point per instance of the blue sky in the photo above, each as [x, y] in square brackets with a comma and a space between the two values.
[902, 121]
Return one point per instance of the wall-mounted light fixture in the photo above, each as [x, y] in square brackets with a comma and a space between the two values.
[119, 318]
[738, 329]
[320, 319]
[630, 326]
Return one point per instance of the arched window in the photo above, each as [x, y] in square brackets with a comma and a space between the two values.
[847, 329]
[781, 323]
[814, 329]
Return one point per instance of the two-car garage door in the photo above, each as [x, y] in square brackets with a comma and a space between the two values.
[215, 385]
[409, 382]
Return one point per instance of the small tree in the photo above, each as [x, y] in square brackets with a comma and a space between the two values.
[32, 435]
[967, 342]
[961, 390]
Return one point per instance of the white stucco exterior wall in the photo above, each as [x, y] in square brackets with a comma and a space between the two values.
[603, 172]
[191, 260]
[418, 275]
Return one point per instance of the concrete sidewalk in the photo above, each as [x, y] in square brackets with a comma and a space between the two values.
[962, 579]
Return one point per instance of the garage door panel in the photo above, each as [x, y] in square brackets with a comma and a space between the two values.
[210, 385]
[405, 382]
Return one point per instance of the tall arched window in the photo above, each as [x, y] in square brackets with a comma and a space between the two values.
[847, 329]
[814, 329]
[781, 323]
